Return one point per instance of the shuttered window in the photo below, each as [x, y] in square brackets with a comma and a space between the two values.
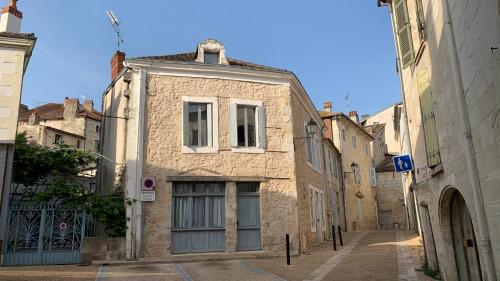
[421, 20]
[428, 120]
[404, 32]
[248, 124]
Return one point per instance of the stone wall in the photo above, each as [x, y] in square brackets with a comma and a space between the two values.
[390, 199]
[102, 249]
[163, 157]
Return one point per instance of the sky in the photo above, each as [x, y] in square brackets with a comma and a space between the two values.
[334, 47]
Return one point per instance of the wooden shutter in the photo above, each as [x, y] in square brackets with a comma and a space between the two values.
[373, 177]
[404, 32]
[421, 20]
[261, 123]
[428, 119]
[185, 123]
[234, 124]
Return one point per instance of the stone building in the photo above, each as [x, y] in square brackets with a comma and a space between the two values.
[233, 149]
[15, 52]
[353, 142]
[335, 188]
[71, 123]
[449, 65]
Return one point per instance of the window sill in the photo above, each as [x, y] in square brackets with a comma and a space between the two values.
[247, 150]
[190, 150]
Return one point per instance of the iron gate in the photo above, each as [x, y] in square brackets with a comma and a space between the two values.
[44, 236]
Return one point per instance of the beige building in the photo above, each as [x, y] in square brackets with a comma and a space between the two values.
[449, 65]
[233, 149]
[390, 117]
[353, 142]
[77, 125]
[15, 52]
[335, 187]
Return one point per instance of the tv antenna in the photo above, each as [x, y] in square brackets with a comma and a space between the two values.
[347, 101]
[115, 23]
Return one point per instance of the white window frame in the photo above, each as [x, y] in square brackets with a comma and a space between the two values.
[316, 150]
[260, 147]
[215, 125]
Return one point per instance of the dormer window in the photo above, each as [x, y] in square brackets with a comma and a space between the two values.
[211, 57]
[211, 51]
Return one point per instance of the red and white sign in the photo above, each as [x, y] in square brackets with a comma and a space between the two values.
[148, 183]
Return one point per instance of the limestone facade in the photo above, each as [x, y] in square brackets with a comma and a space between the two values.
[455, 68]
[150, 141]
[353, 142]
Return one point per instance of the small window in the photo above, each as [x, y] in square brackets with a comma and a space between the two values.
[373, 177]
[357, 174]
[78, 144]
[354, 143]
[211, 57]
[97, 128]
[246, 122]
[96, 145]
[343, 134]
[248, 187]
[198, 124]
[58, 139]
[313, 151]
[367, 149]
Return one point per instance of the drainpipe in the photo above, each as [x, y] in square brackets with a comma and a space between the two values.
[407, 127]
[484, 240]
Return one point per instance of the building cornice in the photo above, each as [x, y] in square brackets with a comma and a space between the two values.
[25, 44]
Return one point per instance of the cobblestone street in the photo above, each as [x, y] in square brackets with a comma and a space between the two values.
[364, 256]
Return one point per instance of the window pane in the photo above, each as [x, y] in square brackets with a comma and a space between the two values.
[182, 188]
[182, 211]
[216, 211]
[241, 125]
[248, 187]
[212, 57]
[203, 125]
[200, 188]
[193, 124]
[251, 125]
[198, 211]
[309, 149]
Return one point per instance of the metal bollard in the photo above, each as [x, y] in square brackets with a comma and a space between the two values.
[287, 249]
[340, 236]
[333, 238]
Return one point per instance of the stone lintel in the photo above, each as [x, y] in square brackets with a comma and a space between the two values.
[217, 178]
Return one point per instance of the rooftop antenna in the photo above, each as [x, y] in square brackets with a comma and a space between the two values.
[115, 23]
[347, 101]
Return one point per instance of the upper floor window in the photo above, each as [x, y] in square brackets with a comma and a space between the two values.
[367, 149]
[342, 133]
[96, 145]
[211, 57]
[313, 150]
[357, 173]
[248, 129]
[422, 32]
[58, 139]
[199, 118]
[332, 163]
[78, 144]
[354, 141]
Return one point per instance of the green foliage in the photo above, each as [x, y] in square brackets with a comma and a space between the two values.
[59, 168]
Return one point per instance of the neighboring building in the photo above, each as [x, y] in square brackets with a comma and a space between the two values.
[15, 52]
[335, 186]
[235, 149]
[353, 142]
[390, 117]
[449, 65]
[77, 125]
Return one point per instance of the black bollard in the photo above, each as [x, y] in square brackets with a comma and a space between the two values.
[288, 249]
[333, 238]
[340, 236]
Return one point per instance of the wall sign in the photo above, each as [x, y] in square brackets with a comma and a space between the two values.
[148, 196]
[148, 183]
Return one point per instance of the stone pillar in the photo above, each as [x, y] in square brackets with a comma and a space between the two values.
[231, 219]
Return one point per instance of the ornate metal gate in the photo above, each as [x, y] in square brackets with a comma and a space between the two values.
[44, 236]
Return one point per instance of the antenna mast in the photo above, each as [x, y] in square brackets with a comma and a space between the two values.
[115, 23]
[347, 100]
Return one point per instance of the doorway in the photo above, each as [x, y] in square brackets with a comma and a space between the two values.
[248, 215]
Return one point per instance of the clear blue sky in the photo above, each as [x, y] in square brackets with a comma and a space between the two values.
[334, 47]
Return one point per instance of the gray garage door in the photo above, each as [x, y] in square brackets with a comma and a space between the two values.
[198, 217]
[248, 213]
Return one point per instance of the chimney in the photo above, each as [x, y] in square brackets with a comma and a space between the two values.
[327, 106]
[117, 64]
[354, 116]
[10, 21]
[88, 105]
[70, 108]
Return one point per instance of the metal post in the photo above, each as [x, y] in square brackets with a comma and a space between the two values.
[333, 238]
[287, 249]
[340, 236]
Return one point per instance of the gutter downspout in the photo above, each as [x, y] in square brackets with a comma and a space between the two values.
[484, 240]
[407, 127]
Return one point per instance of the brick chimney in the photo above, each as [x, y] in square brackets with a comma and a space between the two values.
[70, 108]
[327, 106]
[354, 116]
[10, 21]
[88, 105]
[117, 64]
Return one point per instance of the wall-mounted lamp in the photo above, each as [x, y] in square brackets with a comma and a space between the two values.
[311, 127]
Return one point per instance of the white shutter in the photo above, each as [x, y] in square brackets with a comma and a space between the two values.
[373, 177]
[185, 123]
[234, 124]
[210, 124]
[261, 119]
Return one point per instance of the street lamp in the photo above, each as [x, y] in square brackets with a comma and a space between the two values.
[311, 127]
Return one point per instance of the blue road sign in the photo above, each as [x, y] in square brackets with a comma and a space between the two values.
[402, 163]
